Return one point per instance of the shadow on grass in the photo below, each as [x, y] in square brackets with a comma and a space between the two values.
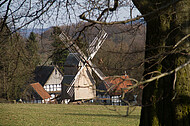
[105, 115]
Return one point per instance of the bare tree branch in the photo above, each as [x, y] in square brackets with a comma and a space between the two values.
[159, 76]
[5, 17]
[153, 13]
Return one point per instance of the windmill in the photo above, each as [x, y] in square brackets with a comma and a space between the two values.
[86, 62]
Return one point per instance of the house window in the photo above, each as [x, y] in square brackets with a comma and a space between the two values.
[56, 87]
[45, 87]
[59, 87]
[51, 87]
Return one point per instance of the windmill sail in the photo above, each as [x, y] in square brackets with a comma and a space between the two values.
[97, 43]
[94, 47]
[70, 89]
[71, 49]
[83, 57]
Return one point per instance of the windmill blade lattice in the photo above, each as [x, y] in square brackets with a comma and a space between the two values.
[97, 43]
[93, 48]
[70, 89]
[86, 60]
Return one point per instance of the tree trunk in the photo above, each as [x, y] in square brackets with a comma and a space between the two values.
[167, 100]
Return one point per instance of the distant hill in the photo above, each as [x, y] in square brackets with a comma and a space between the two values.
[26, 32]
[122, 51]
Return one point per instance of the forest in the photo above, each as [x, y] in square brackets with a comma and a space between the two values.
[156, 59]
[121, 53]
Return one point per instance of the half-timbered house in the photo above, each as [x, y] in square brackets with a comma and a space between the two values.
[50, 78]
[112, 89]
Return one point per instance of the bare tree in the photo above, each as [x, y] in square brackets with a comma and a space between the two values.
[165, 97]
[166, 76]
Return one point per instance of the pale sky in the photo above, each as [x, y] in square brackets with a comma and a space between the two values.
[121, 14]
[63, 18]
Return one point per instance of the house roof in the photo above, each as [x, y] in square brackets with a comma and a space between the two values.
[40, 90]
[117, 84]
[71, 60]
[42, 73]
[68, 79]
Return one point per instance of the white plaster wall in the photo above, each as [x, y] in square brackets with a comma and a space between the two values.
[86, 89]
[54, 81]
[55, 77]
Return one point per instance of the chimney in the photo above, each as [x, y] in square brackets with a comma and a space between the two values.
[125, 73]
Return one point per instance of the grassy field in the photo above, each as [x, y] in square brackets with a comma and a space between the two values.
[67, 115]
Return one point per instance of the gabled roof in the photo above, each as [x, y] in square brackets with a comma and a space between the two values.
[71, 60]
[117, 84]
[71, 64]
[40, 90]
[42, 73]
[68, 79]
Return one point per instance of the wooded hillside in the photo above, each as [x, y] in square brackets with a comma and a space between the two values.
[122, 51]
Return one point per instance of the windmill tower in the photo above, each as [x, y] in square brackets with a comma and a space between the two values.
[78, 82]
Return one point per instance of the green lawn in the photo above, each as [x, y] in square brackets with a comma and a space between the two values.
[67, 115]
